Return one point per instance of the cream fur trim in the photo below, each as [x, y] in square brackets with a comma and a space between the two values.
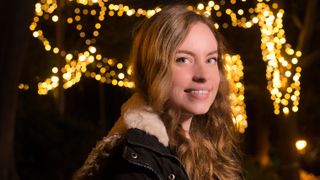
[136, 114]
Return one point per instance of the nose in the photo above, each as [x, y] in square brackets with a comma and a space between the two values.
[198, 79]
[199, 74]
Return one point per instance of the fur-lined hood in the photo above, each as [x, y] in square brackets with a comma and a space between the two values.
[136, 114]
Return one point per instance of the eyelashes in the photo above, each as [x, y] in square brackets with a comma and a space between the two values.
[212, 60]
[182, 60]
[186, 60]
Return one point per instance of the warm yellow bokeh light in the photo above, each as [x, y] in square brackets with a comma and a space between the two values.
[55, 18]
[301, 144]
[282, 71]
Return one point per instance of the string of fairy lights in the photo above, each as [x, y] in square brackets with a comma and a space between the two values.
[282, 70]
[234, 70]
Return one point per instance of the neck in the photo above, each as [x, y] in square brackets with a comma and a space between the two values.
[185, 124]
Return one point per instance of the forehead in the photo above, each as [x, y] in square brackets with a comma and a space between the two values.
[199, 38]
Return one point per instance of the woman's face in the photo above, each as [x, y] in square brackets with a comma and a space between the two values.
[195, 72]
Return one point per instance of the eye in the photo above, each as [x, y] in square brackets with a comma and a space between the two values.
[212, 60]
[182, 60]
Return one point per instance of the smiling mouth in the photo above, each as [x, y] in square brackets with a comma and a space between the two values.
[192, 91]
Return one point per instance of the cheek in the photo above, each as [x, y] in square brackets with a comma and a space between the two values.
[180, 79]
[216, 76]
[215, 81]
[179, 84]
[177, 77]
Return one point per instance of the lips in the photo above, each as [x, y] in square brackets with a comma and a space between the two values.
[200, 94]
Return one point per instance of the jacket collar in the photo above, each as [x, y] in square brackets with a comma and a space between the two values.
[136, 114]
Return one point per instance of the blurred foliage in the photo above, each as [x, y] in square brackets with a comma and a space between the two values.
[254, 171]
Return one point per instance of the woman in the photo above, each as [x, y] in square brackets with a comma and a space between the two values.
[178, 123]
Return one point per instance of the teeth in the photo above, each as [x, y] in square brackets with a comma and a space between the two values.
[199, 91]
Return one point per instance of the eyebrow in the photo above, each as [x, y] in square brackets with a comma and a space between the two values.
[192, 54]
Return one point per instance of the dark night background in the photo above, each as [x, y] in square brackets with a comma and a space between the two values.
[38, 142]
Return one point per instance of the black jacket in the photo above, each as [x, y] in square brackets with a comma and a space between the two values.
[135, 148]
[141, 156]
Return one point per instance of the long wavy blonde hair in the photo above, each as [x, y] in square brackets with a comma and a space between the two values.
[212, 151]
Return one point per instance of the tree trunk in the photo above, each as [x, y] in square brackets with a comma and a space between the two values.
[14, 41]
[263, 145]
[60, 37]
[287, 125]
[287, 135]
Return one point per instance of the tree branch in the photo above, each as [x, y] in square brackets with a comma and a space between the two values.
[309, 26]
[297, 22]
[309, 59]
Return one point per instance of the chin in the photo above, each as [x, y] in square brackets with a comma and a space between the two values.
[199, 111]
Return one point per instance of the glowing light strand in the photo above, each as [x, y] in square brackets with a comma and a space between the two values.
[234, 67]
[280, 72]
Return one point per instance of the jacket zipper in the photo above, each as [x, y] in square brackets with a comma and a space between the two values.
[147, 167]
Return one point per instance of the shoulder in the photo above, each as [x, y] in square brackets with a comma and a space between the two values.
[134, 155]
[105, 149]
[141, 155]
[126, 161]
